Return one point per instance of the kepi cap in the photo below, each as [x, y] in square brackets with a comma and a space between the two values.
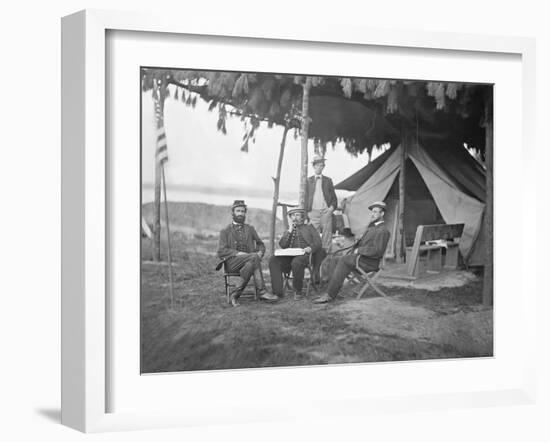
[238, 203]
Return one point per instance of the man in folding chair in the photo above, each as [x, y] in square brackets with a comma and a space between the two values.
[371, 248]
[307, 241]
[242, 250]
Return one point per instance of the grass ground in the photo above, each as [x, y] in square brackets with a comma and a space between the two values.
[203, 332]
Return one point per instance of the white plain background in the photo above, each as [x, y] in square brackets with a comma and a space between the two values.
[30, 226]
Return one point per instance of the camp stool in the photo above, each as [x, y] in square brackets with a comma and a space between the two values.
[366, 279]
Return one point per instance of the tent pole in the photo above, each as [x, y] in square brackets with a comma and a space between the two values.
[277, 182]
[488, 216]
[400, 255]
[305, 130]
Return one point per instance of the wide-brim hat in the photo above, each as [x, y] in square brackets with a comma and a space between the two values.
[295, 210]
[238, 203]
[380, 204]
[318, 159]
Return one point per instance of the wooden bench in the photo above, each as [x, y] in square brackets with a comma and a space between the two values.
[442, 236]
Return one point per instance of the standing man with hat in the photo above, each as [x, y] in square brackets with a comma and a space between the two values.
[321, 201]
[371, 247]
[301, 236]
[242, 250]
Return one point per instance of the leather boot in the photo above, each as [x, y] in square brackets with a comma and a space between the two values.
[259, 280]
[260, 287]
[237, 292]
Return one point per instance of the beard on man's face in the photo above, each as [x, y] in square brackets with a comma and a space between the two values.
[239, 218]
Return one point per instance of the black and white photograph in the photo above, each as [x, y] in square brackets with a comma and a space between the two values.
[307, 220]
[246, 221]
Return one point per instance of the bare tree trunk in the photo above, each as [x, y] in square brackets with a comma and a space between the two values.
[401, 244]
[488, 217]
[276, 182]
[305, 130]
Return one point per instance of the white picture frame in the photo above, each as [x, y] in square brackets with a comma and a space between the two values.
[85, 202]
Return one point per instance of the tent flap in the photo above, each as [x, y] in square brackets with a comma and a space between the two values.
[447, 191]
[375, 188]
[455, 206]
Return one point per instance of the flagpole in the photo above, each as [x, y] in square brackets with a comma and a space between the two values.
[168, 234]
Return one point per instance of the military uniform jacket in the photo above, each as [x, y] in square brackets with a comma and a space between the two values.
[229, 240]
[308, 233]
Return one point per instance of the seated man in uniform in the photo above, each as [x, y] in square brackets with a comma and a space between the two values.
[371, 247]
[299, 235]
[242, 250]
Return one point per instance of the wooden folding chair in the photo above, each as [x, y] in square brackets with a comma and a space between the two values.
[367, 279]
[288, 276]
[227, 280]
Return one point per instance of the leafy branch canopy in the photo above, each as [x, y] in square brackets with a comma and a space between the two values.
[360, 112]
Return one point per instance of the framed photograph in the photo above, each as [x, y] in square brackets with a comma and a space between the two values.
[290, 223]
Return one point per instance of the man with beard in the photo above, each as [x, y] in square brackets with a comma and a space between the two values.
[242, 250]
[301, 236]
[371, 247]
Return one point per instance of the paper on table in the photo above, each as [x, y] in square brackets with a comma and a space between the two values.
[437, 242]
[290, 252]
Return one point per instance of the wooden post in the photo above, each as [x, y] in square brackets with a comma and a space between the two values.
[488, 215]
[156, 211]
[170, 275]
[401, 244]
[276, 182]
[305, 129]
[413, 264]
[158, 178]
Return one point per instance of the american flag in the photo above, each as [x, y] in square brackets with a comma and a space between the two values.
[162, 147]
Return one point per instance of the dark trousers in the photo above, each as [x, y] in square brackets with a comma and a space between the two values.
[284, 264]
[245, 265]
[346, 264]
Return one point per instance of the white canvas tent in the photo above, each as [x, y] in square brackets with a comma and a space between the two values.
[443, 185]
